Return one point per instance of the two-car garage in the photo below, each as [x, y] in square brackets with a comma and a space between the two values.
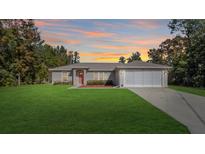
[144, 78]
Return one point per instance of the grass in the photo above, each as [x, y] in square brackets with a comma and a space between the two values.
[196, 91]
[57, 109]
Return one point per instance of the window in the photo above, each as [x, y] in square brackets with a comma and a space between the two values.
[101, 75]
[106, 75]
[65, 76]
[95, 75]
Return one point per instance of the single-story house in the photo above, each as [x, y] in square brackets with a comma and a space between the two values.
[134, 74]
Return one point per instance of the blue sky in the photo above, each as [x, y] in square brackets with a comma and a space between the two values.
[104, 40]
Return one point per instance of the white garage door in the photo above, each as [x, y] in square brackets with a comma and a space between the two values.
[143, 78]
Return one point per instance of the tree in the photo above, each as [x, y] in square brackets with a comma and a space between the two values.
[42, 73]
[76, 57]
[194, 31]
[134, 56]
[172, 52]
[73, 57]
[185, 53]
[155, 56]
[5, 77]
[19, 40]
[24, 57]
[70, 57]
[49, 57]
[122, 59]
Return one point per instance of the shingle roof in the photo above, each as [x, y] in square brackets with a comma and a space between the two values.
[108, 66]
[141, 64]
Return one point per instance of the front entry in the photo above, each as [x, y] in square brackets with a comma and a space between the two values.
[80, 77]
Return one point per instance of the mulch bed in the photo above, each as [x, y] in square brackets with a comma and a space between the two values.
[97, 86]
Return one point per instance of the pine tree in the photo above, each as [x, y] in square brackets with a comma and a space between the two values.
[122, 59]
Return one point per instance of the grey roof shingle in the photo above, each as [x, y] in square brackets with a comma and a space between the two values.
[141, 64]
[108, 66]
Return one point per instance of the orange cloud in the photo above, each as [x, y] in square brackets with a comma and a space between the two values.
[115, 59]
[136, 41]
[146, 24]
[110, 56]
[153, 41]
[98, 34]
[49, 22]
[41, 23]
[92, 33]
[129, 49]
[134, 23]
[115, 47]
[106, 59]
[71, 41]
[102, 54]
[146, 42]
[53, 34]
[55, 40]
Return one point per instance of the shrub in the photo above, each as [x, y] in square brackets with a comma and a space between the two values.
[6, 78]
[62, 83]
[99, 82]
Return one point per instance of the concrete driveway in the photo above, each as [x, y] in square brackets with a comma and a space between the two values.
[187, 108]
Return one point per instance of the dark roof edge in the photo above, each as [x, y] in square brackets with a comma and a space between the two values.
[161, 67]
[53, 69]
[118, 67]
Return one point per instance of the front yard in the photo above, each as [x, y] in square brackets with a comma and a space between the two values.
[57, 109]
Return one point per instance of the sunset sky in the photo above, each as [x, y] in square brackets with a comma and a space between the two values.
[104, 40]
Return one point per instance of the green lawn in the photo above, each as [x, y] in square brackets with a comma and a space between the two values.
[57, 109]
[196, 91]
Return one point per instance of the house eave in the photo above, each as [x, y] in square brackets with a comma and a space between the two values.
[58, 70]
[106, 70]
[142, 67]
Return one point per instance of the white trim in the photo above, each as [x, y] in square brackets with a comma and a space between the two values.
[123, 74]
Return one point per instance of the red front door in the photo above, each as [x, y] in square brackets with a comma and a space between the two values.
[81, 78]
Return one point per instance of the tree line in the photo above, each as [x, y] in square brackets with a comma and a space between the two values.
[25, 57]
[185, 53]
